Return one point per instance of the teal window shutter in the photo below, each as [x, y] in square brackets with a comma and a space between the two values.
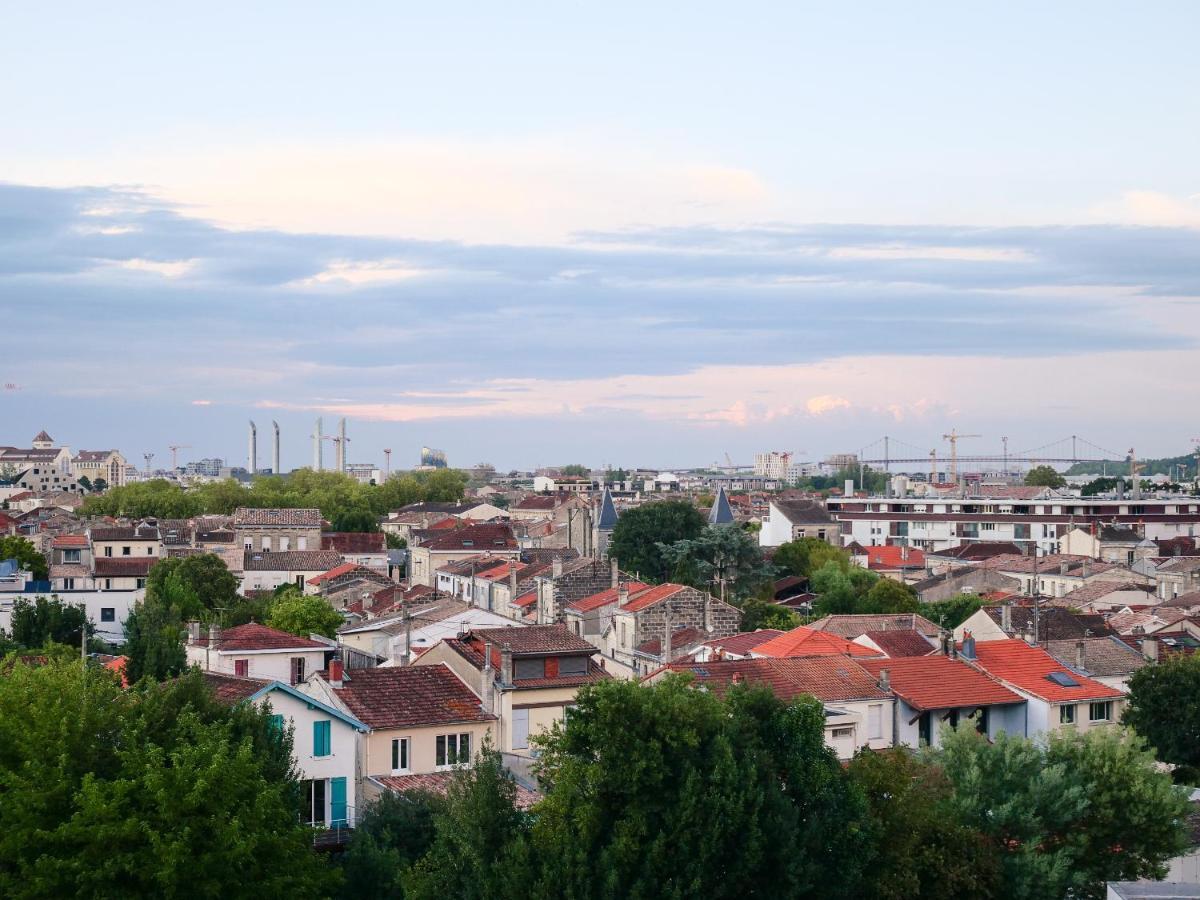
[337, 801]
[275, 725]
[321, 738]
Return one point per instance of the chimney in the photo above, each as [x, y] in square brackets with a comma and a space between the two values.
[1006, 618]
[489, 677]
[506, 665]
[512, 582]
[616, 572]
[849, 488]
[407, 637]
[214, 636]
[708, 612]
[556, 567]
[968, 646]
[193, 632]
[885, 680]
[1062, 568]
[1080, 655]
[1150, 649]
[336, 671]
[1083, 569]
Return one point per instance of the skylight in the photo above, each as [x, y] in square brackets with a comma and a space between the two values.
[1062, 679]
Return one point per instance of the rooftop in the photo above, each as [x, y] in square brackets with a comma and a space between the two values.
[938, 682]
[253, 636]
[534, 640]
[851, 626]
[1102, 656]
[284, 518]
[409, 696]
[805, 641]
[1029, 669]
[824, 677]
[291, 560]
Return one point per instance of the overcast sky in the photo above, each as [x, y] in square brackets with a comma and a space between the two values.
[629, 233]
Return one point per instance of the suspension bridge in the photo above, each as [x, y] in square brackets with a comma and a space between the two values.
[887, 451]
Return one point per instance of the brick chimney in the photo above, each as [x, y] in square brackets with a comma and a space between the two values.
[337, 671]
[1150, 649]
[622, 594]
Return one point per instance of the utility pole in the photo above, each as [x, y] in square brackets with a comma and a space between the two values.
[1037, 599]
[1004, 440]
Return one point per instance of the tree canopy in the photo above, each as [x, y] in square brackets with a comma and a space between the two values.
[1044, 476]
[758, 614]
[804, 556]
[1163, 709]
[155, 791]
[636, 539]
[47, 620]
[195, 586]
[13, 546]
[720, 554]
[392, 833]
[304, 614]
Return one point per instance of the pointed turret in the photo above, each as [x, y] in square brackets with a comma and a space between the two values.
[607, 519]
[722, 512]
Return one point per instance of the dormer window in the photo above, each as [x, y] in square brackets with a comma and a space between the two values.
[529, 668]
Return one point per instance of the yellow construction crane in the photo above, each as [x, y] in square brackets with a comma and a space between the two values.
[954, 437]
[175, 448]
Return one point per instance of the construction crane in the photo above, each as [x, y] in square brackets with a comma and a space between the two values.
[953, 437]
[175, 448]
[933, 465]
[729, 460]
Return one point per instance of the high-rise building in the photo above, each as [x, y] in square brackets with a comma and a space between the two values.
[773, 464]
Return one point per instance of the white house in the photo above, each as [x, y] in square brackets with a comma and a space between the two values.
[255, 651]
[789, 520]
[325, 743]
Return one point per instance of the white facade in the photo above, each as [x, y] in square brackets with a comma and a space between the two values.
[273, 665]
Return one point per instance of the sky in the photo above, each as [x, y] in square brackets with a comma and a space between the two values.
[618, 234]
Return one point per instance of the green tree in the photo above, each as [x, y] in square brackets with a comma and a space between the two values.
[742, 788]
[100, 485]
[45, 621]
[1044, 476]
[760, 614]
[395, 542]
[1162, 709]
[952, 612]
[392, 833]
[14, 546]
[889, 596]
[1068, 814]
[303, 614]
[154, 636]
[575, 470]
[636, 539]
[359, 520]
[85, 483]
[921, 848]
[721, 554]
[158, 497]
[1098, 486]
[840, 591]
[145, 790]
[804, 556]
[478, 834]
[194, 585]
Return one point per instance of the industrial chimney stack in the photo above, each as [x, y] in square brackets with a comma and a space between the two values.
[275, 450]
[252, 462]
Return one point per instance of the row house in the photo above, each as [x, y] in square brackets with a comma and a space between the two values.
[791, 520]
[368, 549]
[427, 557]
[255, 651]
[273, 530]
[325, 742]
[418, 626]
[264, 570]
[528, 677]
[1057, 575]
[657, 613]
[420, 720]
[403, 522]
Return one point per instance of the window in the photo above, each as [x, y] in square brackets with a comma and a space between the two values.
[529, 668]
[139, 583]
[321, 735]
[68, 584]
[875, 721]
[108, 551]
[1066, 714]
[297, 669]
[150, 550]
[284, 544]
[843, 732]
[108, 614]
[301, 543]
[274, 721]
[108, 584]
[572, 665]
[400, 755]
[266, 545]
[126, 551]
[453, 749]
[520, 729]
[70, 556]
[241, 667]
[1100, 712]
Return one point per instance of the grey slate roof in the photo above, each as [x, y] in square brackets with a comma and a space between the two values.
[607, 520]
[722, 512]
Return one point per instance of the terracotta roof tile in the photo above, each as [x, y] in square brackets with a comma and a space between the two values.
[742, 643]
[901, 643]
[606, 597]
[124, 567]
[1027, 668]
[828, 678]
[410, 696]
[253, 636]
[233, 689]
[804, 641]
[354, 542]
[287, 518]
[938, 682]
[535, 640]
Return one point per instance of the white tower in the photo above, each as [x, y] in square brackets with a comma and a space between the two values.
[318, 439]
[253, 460]
[275, 450]
[341, 445]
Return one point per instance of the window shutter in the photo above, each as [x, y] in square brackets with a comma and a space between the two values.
[520, 729]
[337, 801]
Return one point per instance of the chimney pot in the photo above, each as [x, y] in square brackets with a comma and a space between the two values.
[336, 672]
[885, 680]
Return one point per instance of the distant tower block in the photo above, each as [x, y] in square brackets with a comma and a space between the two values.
[252, 462]
[318, 444]
[341, 445]
[275, 450]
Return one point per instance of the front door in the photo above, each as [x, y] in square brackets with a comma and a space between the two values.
[337, 802]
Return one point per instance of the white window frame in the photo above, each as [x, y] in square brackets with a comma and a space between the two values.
[401, 755]
[520, 729]
[875, 722]
[445, 744]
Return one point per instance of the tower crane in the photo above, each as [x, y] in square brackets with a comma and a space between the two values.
[175, 448]
[953, 437]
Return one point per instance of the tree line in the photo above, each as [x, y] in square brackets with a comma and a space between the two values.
[339, 497]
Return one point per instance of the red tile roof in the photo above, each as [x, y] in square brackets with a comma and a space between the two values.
[410, 696]
[650, 597]
[336, 571]
[605, 598]
[233, 689]
[287, 518]
[802, 641]
[938, 682]
[124, 567]
[682, 640]
[531, 640]
[438, 784]
[1027, 668]
[476, 537]
[354, 541]
[69, 541]
[743, 643]
[828, 678]
[890, 557]
[253, 636]
[901, 643]
[527, 599]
